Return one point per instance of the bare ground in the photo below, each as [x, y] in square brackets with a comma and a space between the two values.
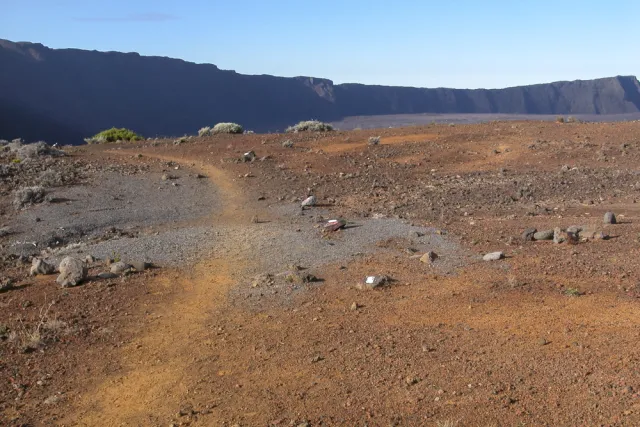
[546, 336]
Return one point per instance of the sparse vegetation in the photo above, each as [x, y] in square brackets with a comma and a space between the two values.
[114, 135]
[287, 144]
[205, 131]
[572, 292]
[559, 119]
[27, 196]
[572, 119]
[310, 126]
[374, 140]
[228, 128]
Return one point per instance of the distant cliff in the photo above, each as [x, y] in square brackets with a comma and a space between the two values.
[62, 95]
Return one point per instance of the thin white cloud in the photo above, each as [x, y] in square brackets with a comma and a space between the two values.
[137, 17]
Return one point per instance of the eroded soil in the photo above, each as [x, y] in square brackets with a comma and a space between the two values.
[546, 336]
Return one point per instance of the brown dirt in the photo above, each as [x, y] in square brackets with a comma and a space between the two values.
[501, 344]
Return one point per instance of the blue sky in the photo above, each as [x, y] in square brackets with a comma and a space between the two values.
[463, 44]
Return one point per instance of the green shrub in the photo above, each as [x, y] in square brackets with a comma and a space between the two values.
[114, 135]
[232, 128]
[205, 131]
[310, 126]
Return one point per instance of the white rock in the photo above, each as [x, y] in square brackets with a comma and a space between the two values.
[493, 256]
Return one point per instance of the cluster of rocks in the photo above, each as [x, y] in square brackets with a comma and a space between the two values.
[73, 271]
[572, 234]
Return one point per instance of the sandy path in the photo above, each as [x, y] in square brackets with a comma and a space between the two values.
[156, 362]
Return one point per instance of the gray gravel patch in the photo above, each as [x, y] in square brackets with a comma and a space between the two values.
[124, 202]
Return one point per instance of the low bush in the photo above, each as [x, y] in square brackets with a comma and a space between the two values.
[28, 196]
[229, 128]
[205, 131]
[287, 144]
[310, 126]
[114, 135]
[374, 140]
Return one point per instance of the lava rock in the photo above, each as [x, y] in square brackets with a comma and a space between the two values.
[41, 267]
[120, 267]
[493, 256]
[72, 272]
[558, 236]
[528, 234]
[309, 201]
[372, 282]
[610, 218]
[544, 235]
[429, 257]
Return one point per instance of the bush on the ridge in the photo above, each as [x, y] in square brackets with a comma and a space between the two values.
[310, 126]
[114, 135]
[232, 128]
[205, 131]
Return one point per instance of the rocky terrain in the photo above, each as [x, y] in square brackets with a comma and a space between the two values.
[477, 274]
[71, 94]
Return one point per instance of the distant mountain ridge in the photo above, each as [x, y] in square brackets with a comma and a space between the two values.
[63, 95]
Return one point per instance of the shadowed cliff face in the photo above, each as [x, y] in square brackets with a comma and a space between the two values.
[63, 95]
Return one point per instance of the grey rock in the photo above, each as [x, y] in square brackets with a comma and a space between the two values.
[610, 218]
[249, 156]
[544, 235]
[120, 267]
[72, 272]
[89, 259]
[558, 236]
[107, 275]
[372, 282]
[528, 234]
[493, 256]
[140, 265]
[309, 201]
[41, 267]
[574, 229]
[429, 257]
[4, 231]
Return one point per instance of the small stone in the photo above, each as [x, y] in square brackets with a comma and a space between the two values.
[140, 265]
[52, 400]
[558, 236]
[90, 259]
[575, 229]
[107, 275]
[249, 156]
[372, 282]
[528, 234]
[309, 201]
[165, 177]
[411, 380]
[354, 306]
[543, 341]
[493, 256]
[72, 272]
[543, 235]
[610, 218]
[41, 267]
[5, 231]
[5, 284]
[120, 267]
[335, 225]
[429, 257]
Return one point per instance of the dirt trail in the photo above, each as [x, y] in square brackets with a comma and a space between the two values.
[156, 362]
